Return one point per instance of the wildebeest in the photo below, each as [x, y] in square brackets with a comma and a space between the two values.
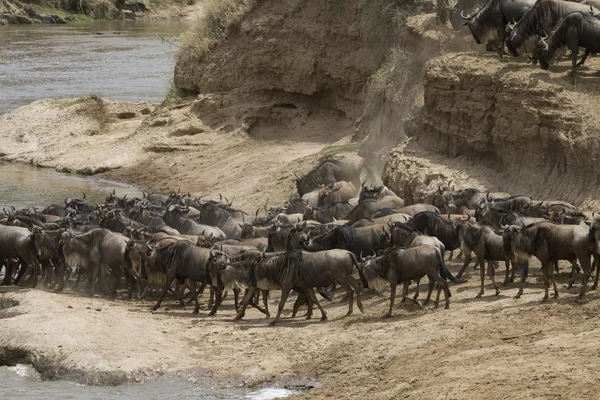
[541, 19]
[47, 244]
[336, 211]
[180, 260]
[304, 271]
[100, 252]
[174, 216]
[18, 243]
[432, 224]
[549, 242]
[487, 246]
[403, 266]
[336, 192]
[330, 171]
[463, 7]
[374, 193]
[576, 30]
[492, 20]
[357, 240]
[366, 208]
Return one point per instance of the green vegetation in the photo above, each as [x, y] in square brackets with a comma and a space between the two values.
[172, 98]
[63, 14]
[220, 18]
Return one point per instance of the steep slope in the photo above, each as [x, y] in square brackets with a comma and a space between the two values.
[509, 125]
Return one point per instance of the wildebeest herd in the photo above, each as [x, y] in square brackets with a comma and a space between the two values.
[536, 27]
[337, 232]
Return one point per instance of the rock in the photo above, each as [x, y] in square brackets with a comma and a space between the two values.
[128, 14]
[135, 6]
[23, 20]
[126, 115]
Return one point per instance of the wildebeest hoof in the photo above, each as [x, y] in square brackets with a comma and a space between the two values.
[211, 314]
[324, 318]
[196, 311]
[497, 292]
[580, 300]
[154, 308]
[361, 308]
[273, 323]
[545, 299]
[447, 306]
[436, 304]
[478, 295]
[388, 315]
[594, 287]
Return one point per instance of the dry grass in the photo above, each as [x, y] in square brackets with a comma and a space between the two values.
[220, 18]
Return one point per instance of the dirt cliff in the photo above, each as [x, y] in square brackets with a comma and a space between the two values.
[505, 124]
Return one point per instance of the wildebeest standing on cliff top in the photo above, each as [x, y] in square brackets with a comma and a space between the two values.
[492, 20]
[576, 30]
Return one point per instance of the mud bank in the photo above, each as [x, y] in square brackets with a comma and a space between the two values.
[503, 125]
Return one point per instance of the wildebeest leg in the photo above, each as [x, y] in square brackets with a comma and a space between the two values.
[300, 300]
[501, 32]
[431, 283]
[310, 294]
[574, 51]
[245, 301]
[556, 266]
[285, 291]
[451, 255]
[265, 296]
[482, 275]
[405, 286]
[95, 274]
[61, 277]
[356, 286]
[392, 297]
[546, 271]
[524, 272]
[507, 265]
[416, 296]
[350, 293]
[584, 260]
[492, 274]
[595, 263]
[169, 281]
[193, 290]
[219, 298]
[585, 56]
[236, 297]
[465, 264]
[554, 284]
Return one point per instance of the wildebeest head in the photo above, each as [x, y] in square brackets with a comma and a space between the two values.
[372, 272]
[542, 52]
[509, 237]
[476, 25]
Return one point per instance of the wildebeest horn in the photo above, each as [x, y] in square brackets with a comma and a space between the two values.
[211, 252]
[468, 17]
[114, 191]
[220, 197]
[374, 253]
[83, 194]
[361, 256]
[390, 223]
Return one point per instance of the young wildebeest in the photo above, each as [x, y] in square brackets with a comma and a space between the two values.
[303, 271]
[549, 242]
[487, 245]
[403, 266]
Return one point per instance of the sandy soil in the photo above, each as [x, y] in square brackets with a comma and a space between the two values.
[494, 347]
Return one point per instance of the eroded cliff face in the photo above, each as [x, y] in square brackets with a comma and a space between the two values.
[507, 126]
[302, 53]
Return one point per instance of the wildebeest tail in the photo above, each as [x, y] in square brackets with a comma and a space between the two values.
[126, 256]
[252, 276]
[207, 277]
[32, 245]
[324, 294]
[363, 280]
[592, 238]
[444, 272]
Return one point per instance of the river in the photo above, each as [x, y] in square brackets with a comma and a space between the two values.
[26, 186]
[114, 59]
[23, 382]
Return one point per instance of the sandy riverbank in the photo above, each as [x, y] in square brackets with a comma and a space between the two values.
[495, 347]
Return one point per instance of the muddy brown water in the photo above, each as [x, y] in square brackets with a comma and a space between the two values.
[114, 59]
[26, 186]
